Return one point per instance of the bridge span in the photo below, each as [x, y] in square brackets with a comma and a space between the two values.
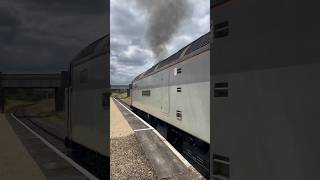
[57, 81]
[120, 88]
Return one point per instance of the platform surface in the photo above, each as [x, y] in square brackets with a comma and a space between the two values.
[119, 126]
[15, 161]
[52, 166]
[166, 161]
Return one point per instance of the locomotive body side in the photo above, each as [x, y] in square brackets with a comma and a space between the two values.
[267, 127]
[87, 112]
[179, 94]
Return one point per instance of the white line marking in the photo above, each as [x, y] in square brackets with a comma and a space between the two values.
[185, 162]
[144, 129]
[69, 160]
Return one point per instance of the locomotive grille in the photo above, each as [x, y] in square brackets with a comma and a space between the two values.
[179, 70]
[146, 93]
[221, 29]
[221, 89]
[179, 115]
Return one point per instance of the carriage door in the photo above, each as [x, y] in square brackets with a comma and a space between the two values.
[165, 92]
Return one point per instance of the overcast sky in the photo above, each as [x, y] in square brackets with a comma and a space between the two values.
[131, 53]
[44, 35]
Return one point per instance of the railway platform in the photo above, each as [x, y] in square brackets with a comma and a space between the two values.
[25, 155]
[127, 157]
[166, 161]
[15, 161]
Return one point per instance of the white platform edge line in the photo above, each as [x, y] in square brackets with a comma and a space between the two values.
[185, 162]
[134, 114]
[144, 129]
[69, 160]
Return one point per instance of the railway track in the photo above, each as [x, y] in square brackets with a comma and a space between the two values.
[190, 153]
[55, 132]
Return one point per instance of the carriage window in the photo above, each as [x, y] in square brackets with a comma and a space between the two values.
[146, 93]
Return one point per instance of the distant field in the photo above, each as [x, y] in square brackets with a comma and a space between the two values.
[120, 95]
[10, 103]
[123, 97]
[44, 108]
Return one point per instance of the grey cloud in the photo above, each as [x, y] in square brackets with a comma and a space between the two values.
[8, 25]
[165, 18]
[126, 23]
[44, 35]
[8, 19]
[129, 26]
[120, 74]
[138, 59]
[113, 69]
[66, 6]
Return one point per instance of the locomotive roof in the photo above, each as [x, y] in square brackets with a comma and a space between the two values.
[96, 48]
[195, 45]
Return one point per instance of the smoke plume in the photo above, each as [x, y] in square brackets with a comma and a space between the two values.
[165, 18]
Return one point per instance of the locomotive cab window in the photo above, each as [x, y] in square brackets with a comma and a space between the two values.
[146, 93]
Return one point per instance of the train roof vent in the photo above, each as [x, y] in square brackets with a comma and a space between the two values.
[136, 78]
[199, 43]
[97, 47]
[149, 71]
[171, 59]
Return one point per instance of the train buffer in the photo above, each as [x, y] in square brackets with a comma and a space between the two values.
[167, 162]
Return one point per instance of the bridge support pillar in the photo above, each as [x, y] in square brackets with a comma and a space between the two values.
[128, 92]
[60, 92]
[59, 99]
[1, 95]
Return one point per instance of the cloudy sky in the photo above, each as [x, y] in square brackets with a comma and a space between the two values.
[132, 28]
[44, 35]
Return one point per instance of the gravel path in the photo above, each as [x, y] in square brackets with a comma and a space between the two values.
[128, 160]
